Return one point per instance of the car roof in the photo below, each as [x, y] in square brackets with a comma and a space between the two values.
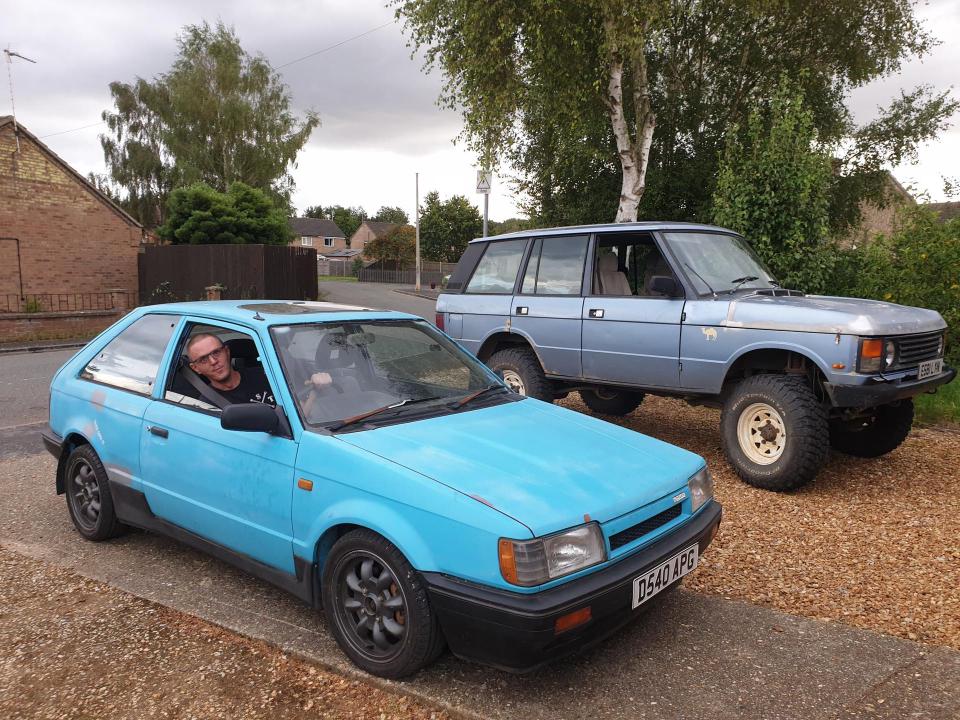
[646, 225]
[276, 312]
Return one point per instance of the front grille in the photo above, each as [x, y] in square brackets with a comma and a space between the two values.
[915, 349]
[637, 531]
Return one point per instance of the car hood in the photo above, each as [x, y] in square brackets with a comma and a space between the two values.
[545, 466]
[820, 313]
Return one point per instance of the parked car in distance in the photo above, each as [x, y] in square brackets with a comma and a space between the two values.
[384, 475]
[619, 311]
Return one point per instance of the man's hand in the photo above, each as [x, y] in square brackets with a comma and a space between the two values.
[319, 380]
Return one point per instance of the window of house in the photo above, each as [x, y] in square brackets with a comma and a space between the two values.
[497, 270]
[306, 241]
[328, 242]
[556, 266]
[131, 360]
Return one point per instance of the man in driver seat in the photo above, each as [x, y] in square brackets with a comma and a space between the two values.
[210, 358]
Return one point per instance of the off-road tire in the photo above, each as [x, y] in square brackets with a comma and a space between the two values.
[87, 490]
[805, 437]
[877, 434]
[526, 366]
[608, 401]
[423, 639]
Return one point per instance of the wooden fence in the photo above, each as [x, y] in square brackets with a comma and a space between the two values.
[169, 273]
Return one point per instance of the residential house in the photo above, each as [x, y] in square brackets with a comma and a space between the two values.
[368, 231]
[946, 211]
[877, 220]
[318, 233]
[64, 245]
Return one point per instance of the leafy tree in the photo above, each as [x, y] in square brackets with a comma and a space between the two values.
[447, 227]
[391, 215]
[347, 219]
[773, 186]
[602, 102]
[199, 214]
[218, 116]
[399, 246]
[509, 225]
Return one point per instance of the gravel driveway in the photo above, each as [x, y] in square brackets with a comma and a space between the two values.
[873, 543]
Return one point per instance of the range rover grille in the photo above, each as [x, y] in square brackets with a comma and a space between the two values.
[915, 349]
[637, 531]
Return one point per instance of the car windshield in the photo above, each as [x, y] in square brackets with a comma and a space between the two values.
[717, 262]
[340, 371]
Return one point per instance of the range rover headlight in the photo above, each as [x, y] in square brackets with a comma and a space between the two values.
[534, 562]
[870, 355]
[701, 489]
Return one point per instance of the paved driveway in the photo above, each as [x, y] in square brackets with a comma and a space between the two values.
[691, 656]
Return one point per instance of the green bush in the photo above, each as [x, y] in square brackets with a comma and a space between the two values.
[919, 265]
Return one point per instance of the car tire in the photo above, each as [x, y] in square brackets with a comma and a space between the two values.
[774, 431]
[377, 607]
[521, 370]
[611, 402]
[877, 434]
[88, 496]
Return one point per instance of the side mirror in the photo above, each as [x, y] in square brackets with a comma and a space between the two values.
[665, 285]
[250, 417]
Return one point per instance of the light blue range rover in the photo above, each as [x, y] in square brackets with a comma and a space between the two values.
[619, 311]
[366, 463]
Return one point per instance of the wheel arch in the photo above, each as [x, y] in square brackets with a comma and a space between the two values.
[775, 358]
[72, 441]
[501, 340]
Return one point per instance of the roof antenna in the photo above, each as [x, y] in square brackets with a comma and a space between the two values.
[10, 54]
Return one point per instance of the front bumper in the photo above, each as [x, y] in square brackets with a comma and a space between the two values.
[52, 442]
[515, 631]
[884, 392]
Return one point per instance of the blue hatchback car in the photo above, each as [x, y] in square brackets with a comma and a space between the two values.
[382, 473]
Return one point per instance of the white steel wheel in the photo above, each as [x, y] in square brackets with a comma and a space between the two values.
[761, 433]
[514, 381]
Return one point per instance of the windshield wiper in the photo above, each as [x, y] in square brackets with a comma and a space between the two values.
[376, 411]
[473, 396]
[712, 291]
[740, 281]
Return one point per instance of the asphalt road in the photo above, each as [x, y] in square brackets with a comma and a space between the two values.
[690, 656]
[375, 295]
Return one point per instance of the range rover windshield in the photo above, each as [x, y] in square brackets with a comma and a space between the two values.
[719, 263]
[349, 374]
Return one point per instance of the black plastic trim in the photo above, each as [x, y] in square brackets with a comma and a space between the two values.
[52, 442]
[872, 395]
[515, 631]
[132, 508]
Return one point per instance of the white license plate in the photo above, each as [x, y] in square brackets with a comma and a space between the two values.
[652, 582]
[930, 368]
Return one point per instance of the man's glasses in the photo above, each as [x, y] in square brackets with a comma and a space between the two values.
[210, 356]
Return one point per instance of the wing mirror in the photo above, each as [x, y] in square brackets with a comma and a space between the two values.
[250, 417]
[664, 285]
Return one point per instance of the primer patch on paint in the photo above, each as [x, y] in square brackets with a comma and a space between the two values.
[709, 333]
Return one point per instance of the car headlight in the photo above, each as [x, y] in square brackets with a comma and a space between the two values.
[701, 489]
[534, 562]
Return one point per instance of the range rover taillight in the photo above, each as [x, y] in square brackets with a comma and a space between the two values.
[439, 322]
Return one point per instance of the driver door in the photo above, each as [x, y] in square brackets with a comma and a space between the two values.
[230, 487]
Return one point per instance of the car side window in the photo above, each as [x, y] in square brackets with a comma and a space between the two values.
[211, 359]
[132, 359]
[560, 267]
[497, 270]
[627, 266]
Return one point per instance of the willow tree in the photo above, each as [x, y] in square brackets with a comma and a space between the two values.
[219, 115]
[596, 99]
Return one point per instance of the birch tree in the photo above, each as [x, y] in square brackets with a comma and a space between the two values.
[504, 60]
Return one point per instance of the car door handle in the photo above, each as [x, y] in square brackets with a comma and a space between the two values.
[158, 431]
[596, 312]
[522, 310]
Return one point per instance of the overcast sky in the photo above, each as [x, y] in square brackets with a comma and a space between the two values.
[380, 120]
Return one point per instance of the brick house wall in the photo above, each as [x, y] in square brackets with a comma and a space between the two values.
[58, 234]
[339, 243]
[368, 231]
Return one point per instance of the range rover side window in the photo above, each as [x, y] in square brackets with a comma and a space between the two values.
[131, 360]
[561, 265]
[497, 271]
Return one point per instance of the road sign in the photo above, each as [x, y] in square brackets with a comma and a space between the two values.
[484, 181]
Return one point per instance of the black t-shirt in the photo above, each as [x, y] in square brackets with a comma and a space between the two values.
[253, 388]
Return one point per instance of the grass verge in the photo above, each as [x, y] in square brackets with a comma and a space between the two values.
[335, 278]
[941, 407]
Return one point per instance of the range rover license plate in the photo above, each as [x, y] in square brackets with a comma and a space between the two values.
[930, 368]
[652, 582]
